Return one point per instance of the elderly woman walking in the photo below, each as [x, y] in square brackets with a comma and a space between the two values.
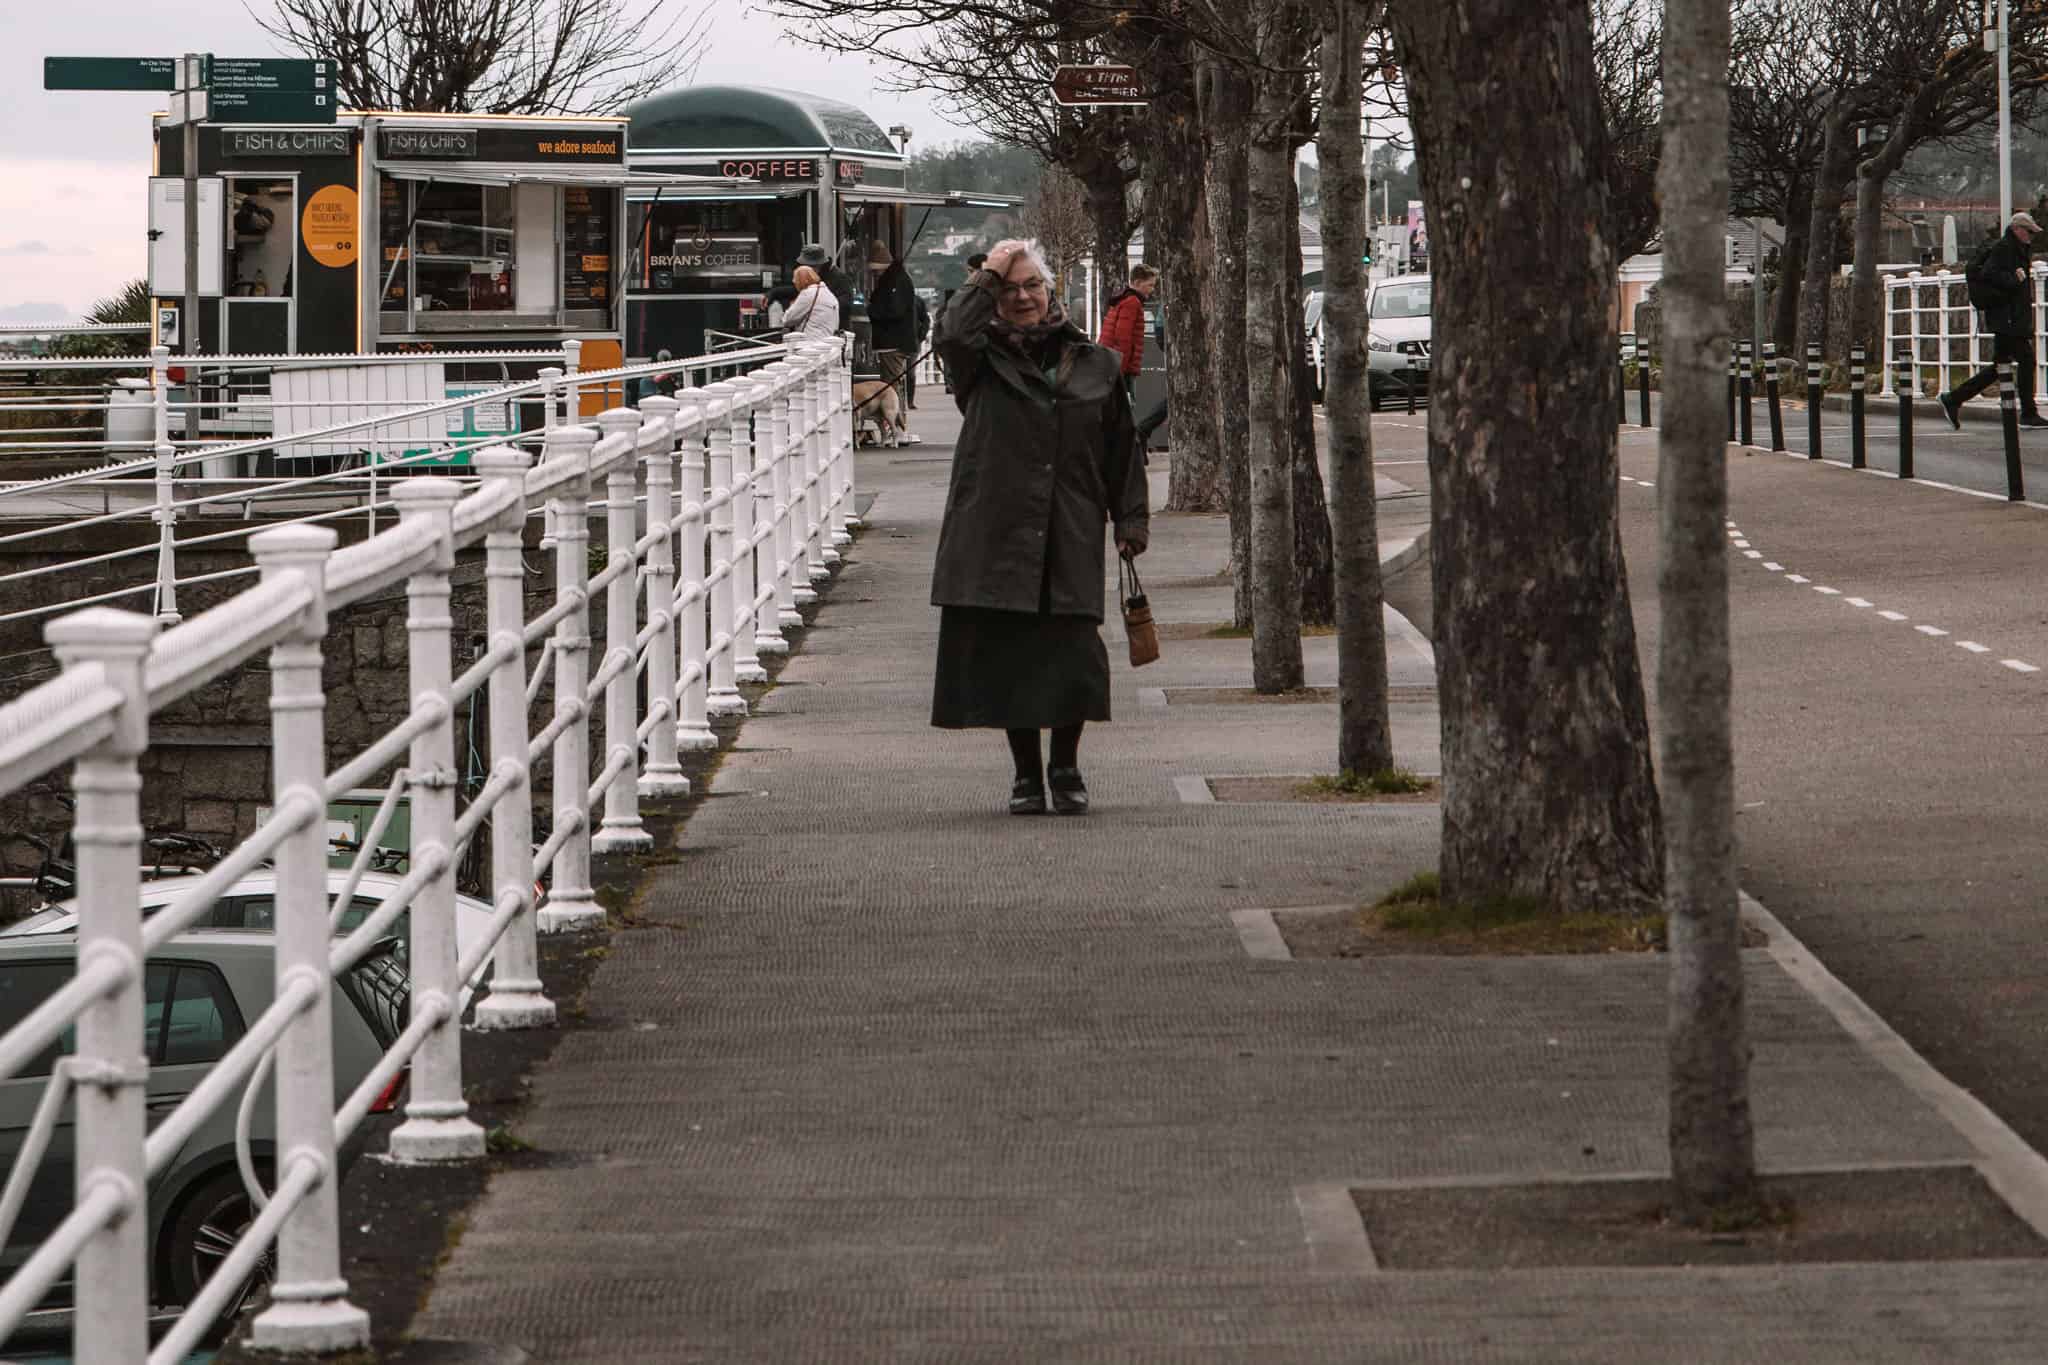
[1046, 457]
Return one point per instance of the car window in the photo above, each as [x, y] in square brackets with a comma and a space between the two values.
[200, 1021]
[1401, 301]
[23, 986]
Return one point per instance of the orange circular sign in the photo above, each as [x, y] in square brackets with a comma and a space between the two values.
[329, 226]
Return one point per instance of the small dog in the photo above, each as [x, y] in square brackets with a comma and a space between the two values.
[879, 403]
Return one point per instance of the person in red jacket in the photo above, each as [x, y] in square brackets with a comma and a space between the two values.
[1123, 324]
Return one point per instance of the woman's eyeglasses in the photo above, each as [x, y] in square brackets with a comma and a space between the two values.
[1030, 286]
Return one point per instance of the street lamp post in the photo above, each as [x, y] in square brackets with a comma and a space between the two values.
[1998, 39]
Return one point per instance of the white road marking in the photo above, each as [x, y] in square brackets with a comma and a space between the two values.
[1796, 578]
[1831, 592]
[1753, 554]
[1930, 630]
[2018, 666]
[1741, 544]
[1973, 646]
[1893, 615]
[1857, 601]
[1646, 483]
[1731, 525]
[1773, 567]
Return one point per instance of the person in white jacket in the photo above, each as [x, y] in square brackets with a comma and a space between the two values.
[815, 311]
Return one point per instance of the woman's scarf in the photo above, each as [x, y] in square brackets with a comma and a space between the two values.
[1030, 341]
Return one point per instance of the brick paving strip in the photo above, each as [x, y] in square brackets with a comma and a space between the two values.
[884, 1074]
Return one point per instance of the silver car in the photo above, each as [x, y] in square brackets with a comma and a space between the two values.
[201, 991]
[1397, 339]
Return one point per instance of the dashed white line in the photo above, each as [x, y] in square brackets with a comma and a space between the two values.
[1857, 601]
[1973, 646]
[1774, 567]
[1646, 483]
[1930, 630]
[1741, 544]
[1752, 554]
[2019, 666]
[1797, 578]
[1831, 592]
[1893, 615]
[1731, 525]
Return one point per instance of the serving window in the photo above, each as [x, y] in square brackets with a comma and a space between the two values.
[714, 247]
[458, 255]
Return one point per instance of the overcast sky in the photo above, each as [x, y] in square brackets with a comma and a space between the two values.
[72, 176]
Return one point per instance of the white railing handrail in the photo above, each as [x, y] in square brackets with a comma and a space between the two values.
[767, 493]
[1928, 319]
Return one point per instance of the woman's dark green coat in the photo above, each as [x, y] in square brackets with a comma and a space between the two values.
[1042, 464]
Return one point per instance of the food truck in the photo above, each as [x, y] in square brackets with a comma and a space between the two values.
[705, 259]
[402, 232]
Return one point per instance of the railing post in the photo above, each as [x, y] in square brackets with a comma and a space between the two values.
[724, 698]
[749, 448]
[819, 556]
[517, 999]
[848, 455]
[803, 416]
[549, 378]
[826, 377]
[771, 447]
[693, 683]
[166, 514]
[622, 831]
[112, 1072]
[664, 774]
[572, 401]
[437, 1125]
[571, 903]
[309, 1308]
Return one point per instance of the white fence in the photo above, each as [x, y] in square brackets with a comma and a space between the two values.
[751, 479]
[1928, 319]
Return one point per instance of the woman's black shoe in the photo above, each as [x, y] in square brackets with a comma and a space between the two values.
[1027, 797]
[1069, 793]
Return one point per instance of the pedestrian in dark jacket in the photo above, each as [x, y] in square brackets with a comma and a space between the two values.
[924, 329]
[2005, 274]
[892, 308]
[1044, 459]
[1123, 322]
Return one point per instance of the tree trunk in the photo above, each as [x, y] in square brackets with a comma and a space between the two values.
[1713, 1157]
[1791, 270]
[1109, 212]
[1870, 182]
[1365, 740]
[1275, 588]
[1226, 114]
[1547, 787]
[1830, 189]
[1313, 569]
[1177, 239]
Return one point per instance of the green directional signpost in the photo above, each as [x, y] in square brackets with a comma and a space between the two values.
[270, 90]
[110, 73]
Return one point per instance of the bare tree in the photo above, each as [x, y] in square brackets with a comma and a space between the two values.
[1547, 788]
[1057, 215]
[1713, 1155]
[1365, 741]
[494, 56]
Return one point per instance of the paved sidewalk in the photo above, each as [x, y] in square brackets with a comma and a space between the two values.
[891, 1076]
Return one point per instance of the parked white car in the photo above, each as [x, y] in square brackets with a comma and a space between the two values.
[251, 905]
[1397, 338]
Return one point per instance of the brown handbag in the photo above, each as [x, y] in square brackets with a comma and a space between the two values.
[1138, 627]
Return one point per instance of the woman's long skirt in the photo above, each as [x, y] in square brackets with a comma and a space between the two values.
[1015, 670]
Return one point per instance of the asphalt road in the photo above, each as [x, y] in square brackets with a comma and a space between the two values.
[1891, 676]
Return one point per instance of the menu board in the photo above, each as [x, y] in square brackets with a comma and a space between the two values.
[587, 264]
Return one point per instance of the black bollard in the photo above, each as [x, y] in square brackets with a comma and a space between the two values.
[1411, 390]
[1858, 453]
[1747, 429]
[1812, 402]
[2009, 417]
[1643, 383]
[1628, 353]
[1771, 393]
[1731, 393]
[1903, 382]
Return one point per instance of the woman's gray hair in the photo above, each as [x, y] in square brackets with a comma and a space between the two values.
[1030, 247]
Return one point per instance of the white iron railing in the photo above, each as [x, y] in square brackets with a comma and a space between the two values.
[753, 478]
[1928, 319]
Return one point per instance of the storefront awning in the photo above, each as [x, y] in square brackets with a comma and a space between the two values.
[937, 199]
[611, 177]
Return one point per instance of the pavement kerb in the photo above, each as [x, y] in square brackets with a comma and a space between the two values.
[2016, 1171]
[1803, 458]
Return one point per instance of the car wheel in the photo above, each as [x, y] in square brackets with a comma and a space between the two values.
[213, 1219]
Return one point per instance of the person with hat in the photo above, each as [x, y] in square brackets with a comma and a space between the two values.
[2001, 286]
[892, 308]
[836, 280]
